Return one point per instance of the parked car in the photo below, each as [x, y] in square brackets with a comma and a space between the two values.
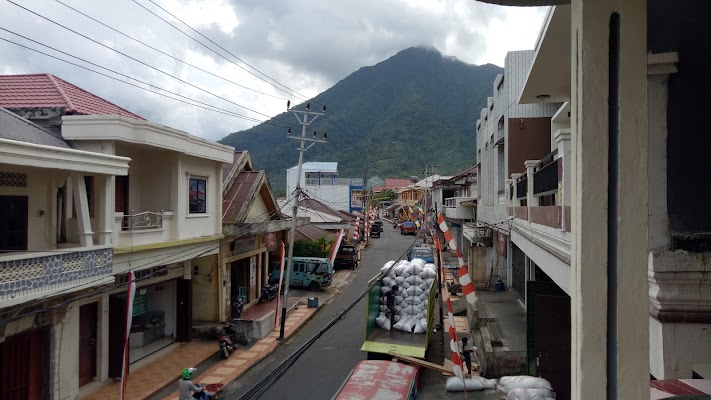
[408, 228]
[309, 272]
[347, 257]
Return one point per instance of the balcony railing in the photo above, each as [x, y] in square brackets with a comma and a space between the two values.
[312, 181]
[38, 273]
[143, 220]
[522, 187]
[460, 207]
[545, 179]
[334, 182]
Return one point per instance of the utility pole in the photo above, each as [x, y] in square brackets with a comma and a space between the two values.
[297, 192]
[366, 206]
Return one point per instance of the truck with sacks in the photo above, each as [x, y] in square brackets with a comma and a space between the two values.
[415, 302]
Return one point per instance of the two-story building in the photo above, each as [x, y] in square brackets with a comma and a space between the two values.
[320, 181]
[56, 252]
[163, 219]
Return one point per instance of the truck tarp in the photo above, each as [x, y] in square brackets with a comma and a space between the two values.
[379, 340]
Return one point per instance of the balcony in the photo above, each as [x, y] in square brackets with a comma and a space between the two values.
[31, 275]
[143, 228]
[334, 182]
[522, 187]
[545, 177]
[460, 208]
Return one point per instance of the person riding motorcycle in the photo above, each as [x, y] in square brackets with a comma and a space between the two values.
[187, 390]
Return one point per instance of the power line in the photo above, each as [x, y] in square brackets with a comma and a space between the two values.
[167, 54]
[209, 48]
[206, 105]
[140, 62]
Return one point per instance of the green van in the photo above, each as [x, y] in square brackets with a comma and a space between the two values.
[308, 272]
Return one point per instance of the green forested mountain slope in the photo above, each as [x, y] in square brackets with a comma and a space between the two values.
[417, 107]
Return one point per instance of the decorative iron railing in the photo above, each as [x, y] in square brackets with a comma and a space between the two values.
[143, 220]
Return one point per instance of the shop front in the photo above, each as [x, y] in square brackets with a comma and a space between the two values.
[161, 315]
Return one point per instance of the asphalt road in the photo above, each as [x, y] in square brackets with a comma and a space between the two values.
[321, 370]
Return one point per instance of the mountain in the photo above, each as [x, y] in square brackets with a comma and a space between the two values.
[387, 120]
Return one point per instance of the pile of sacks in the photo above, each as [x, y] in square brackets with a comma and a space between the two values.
[414, 280]
[526, 388]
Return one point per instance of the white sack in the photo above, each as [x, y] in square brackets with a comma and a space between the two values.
[531, 394]
[397, 318]
[429, 281]
[427, 273]
[508, 383]
[421, 315]
[405, 284]
[389, 282]
[400, 280]
[431, 266]
[414, 280]
[423, 322]
[383, 322]
[419, 262]
[414, 290]
[409, 324]
[424, 286]
[424, 295]
[399, 325]
[399, 267]
[454, 384]
[419, 328]
[413, 300]
[399, 299]
[384, 289]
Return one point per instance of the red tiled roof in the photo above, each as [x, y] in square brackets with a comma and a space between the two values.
[227, 167]
[378, 189]
[46, 90]
[237, 199]
[319, 207]
[397, 183]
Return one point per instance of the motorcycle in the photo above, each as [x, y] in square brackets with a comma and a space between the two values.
[238, 306]
[269, 292]
[228, 341]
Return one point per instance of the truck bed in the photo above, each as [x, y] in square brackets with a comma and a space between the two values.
[405, 343]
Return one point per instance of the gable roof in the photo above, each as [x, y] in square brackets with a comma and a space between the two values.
[46, 90]
[241, 161]
[14, 127]
[313, 232]
[241, 194]
[397, 183]
[322, 208]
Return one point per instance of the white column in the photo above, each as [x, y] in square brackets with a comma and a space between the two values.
[510, 191]
[515, 177]
[530, 198]
[82, 208]
[596, 251]
[105, 205]
[562, 138]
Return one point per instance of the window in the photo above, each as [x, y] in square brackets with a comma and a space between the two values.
[198, 196]
[121, 194]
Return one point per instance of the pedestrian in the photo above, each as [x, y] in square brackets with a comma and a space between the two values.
[466, 350]
[390, 303]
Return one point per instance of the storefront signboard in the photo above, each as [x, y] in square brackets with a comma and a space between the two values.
[140, 302]
[271, 241]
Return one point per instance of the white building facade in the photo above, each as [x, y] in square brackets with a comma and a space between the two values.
[320, 180]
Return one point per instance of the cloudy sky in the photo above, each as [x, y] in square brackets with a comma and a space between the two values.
[306, 45]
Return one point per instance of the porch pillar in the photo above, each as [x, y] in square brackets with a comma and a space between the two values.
[562, 138]
[609, 305]
[105, 207]
[530, 198]
[516, 202]
[81, 202]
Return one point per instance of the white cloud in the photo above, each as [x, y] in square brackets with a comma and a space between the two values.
[307, 45]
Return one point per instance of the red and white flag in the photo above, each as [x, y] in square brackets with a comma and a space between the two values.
[129, 318]
[336, 246]
[281, 278]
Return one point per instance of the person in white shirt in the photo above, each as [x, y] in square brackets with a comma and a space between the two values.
[466, 350]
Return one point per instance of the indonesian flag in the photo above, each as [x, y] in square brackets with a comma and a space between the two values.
[129, 317]
[281, 278]
[336, 246]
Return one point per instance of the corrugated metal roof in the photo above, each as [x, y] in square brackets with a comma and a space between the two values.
[312, 232]
[318, 166]
[14, 127]
[238, 197]
[397, 183]
[46, 90]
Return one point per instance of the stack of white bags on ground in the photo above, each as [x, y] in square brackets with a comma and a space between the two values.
[526, 388]
[414, 280]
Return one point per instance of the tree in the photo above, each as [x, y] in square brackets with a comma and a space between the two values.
[320, 247]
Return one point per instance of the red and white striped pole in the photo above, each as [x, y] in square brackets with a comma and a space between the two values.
[357, 227]
[463, 274]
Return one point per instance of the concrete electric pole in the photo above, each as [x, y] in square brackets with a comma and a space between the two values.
[297, 192]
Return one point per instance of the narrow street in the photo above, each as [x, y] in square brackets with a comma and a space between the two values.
[321, 370]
